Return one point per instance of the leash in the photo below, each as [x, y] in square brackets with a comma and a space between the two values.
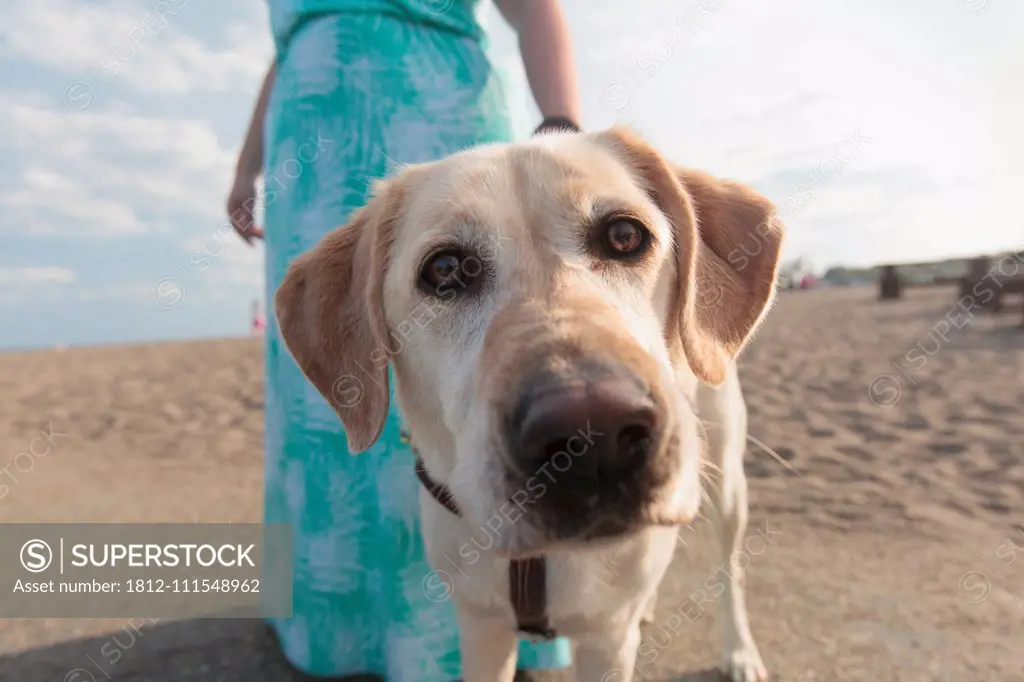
[527, 578]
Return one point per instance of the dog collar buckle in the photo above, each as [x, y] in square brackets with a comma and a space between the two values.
[536, 635]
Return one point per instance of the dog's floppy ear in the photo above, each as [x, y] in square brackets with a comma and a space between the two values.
[329, 309]
[727, 240]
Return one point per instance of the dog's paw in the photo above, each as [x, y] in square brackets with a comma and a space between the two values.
[744, 665]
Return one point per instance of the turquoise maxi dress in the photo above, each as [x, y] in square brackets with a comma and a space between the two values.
[361, 86]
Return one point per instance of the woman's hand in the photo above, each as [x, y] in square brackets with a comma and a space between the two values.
[242, 207]
[242, 198]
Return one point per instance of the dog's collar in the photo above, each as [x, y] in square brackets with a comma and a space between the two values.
[527, 578]
[438, 491]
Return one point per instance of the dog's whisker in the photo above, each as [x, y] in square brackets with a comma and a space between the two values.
[708, 465]
[709, 478]
[772, 452]
[710, 472]
[704, 422]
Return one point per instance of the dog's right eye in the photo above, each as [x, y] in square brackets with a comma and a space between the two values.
[450, 272]
[623, 238]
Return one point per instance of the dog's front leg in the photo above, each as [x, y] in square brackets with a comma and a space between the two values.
[608, 656]
[741, 660]
[488, 647]
[727, 492]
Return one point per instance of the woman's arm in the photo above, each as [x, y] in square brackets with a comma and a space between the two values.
[546, 49]
[250, 160]
[242, 198]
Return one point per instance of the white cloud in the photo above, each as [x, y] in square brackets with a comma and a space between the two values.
[34, 283]
[36, 276]
[102, 162]
[222, 258]
[139, 293]
[139, 44]
[111, 167]
[48, 203]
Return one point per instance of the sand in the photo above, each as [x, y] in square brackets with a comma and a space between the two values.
[896, 527]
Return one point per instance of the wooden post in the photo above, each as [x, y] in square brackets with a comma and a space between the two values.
[979, 269]
[890, 287]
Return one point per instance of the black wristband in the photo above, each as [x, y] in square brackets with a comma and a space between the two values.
[558, 124]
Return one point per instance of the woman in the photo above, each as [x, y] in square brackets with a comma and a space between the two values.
[359, 86]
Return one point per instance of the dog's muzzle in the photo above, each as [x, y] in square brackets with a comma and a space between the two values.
[583, 444]
[606, 425]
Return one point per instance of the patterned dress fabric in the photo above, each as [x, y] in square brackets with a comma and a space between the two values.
[361, 87]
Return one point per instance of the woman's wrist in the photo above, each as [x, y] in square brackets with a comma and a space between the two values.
[557, 124]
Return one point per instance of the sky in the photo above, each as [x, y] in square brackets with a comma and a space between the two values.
[884, 130]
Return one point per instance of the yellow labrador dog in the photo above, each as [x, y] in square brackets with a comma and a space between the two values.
[557, 314]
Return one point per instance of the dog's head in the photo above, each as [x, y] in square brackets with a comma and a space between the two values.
[547, 308]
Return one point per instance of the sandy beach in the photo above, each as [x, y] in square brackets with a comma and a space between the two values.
[888, 545]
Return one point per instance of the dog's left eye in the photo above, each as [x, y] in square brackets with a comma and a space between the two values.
[624, 238]
[450, 272]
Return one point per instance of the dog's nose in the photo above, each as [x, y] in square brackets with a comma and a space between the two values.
[604, 428]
